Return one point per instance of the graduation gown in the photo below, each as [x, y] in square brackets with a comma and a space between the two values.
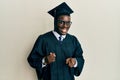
[58, 70]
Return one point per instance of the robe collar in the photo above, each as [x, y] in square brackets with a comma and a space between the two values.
[58, 35]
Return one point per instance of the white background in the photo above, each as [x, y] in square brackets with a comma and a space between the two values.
[96, 23]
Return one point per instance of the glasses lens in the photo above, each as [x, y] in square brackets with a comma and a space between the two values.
[60, 22]
[68, 23]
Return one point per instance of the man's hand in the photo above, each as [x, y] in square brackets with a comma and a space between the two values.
[71, 62]
[50, 58]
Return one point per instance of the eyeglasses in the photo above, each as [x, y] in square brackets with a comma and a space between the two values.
[61, 22]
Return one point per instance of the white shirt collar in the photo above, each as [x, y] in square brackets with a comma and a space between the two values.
[57, 35]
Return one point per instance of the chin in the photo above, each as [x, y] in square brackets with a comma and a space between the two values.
[63, 33]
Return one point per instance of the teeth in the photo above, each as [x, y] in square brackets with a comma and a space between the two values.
[64, 30]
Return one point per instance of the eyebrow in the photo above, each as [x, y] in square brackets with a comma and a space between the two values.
[63, 20]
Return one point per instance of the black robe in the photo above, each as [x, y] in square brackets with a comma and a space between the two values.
[58, 70]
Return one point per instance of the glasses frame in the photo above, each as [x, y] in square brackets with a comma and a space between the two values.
[61, 22]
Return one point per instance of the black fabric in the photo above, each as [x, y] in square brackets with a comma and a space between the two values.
[57, 70]
[62, 9]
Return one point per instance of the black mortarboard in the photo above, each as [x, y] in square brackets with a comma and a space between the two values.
[60, 10]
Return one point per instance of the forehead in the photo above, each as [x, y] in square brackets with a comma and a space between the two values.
[64, 17]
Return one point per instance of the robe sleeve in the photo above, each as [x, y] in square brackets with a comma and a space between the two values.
[36, 55]
[78, 54]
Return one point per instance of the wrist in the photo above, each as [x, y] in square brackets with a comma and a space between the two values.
[76, 63]
[46, 60]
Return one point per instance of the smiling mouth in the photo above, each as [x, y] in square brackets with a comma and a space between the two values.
[63, 30]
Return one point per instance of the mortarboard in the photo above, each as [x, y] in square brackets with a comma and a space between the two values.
[61, 9]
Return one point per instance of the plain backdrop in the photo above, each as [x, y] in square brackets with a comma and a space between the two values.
[96, 24]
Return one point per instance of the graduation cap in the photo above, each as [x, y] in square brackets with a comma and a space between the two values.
[62, 9]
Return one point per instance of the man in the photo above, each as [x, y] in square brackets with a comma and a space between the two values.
[57, 55]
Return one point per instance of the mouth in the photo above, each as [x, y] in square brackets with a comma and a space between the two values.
[63, 30]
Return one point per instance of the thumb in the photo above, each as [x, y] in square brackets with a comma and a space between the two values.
[73, 61]
[54, 54]
[67, 60]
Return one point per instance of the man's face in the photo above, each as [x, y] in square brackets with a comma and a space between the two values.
[63, 24]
